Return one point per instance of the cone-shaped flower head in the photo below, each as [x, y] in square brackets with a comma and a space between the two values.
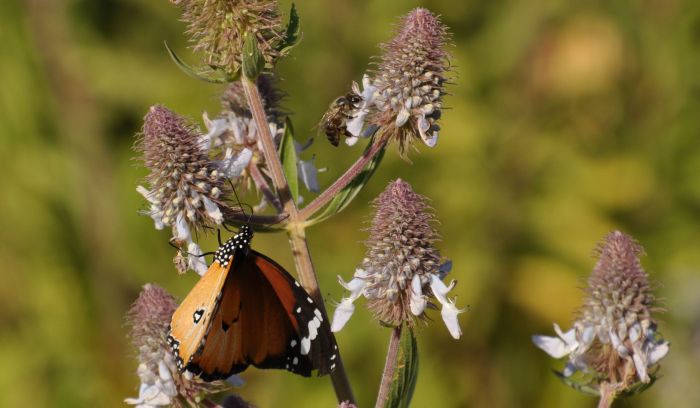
[185, 184]
[161, 383]
[615, 336]
[408, 85]
[402, 268]
[218, 29]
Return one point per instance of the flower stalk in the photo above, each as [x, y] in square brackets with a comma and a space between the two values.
[353, 171]
[389, 368]
[295, 228]
[607, 395]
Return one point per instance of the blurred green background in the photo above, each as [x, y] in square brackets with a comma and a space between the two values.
[567, 120]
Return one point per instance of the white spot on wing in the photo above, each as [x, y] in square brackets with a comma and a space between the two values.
[314, 324]
[305, 346]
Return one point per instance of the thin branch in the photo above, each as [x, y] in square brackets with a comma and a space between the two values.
[607, 395]
[272, 160]
[389, 368]
[326, 196]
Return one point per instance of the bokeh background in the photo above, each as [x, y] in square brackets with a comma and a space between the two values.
[567, 120]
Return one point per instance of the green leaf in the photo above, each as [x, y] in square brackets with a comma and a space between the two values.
[206, 76]
[346, 195]
[404, 381]
[293, 32]
[288, 156]
[583, 385]
[639, 387]
[253, 61]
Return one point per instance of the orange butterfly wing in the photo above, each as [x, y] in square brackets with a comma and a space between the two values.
[265, 319]
[191, 321]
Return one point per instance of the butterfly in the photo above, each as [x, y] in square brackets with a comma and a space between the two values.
[247, 310]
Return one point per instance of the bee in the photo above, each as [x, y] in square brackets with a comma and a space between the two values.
[334, 121]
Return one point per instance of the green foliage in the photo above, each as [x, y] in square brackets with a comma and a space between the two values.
[214, 77]
[288, 157]
[292, 33]
[253, 60]
[346, 195]
[566, 121]
[406, 374]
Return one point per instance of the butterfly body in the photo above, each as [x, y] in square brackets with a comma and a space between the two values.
[247, 310]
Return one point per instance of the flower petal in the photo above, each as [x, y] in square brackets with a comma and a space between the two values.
[449, 310]
[354, 126]
[449, 316]
[195, 261]
[657, 352]
[570, 369]
[181, 231]
[166, 379]
[212, 210]
[342, 314]
[233, 165]
[444, 269]
[357, 285]
[557, 347]
[402, 117]
[308, 175]
[215, 128]
[418, 301]
[236, 381]
[641, 366]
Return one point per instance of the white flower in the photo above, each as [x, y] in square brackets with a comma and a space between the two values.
[156, 389]
[215, 130]
[449, 310]
[195, 260]
[418, 302]
[155, 212]
[357, 122]
[345, 308]
[233, 163]
[308, 175]
[644, 351]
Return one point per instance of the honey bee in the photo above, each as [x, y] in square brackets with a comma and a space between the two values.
[334, 121]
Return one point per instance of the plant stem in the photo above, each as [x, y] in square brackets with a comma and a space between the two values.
[607, 395]
[261, 184]
[297, 236]
[269, 150]
[389, 368]
[210, 404]
[326, 196]
[233, 217]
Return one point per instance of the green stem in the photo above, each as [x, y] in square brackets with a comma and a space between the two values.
[295, 228]
[607, 395]
[327, 195]
[389, 368]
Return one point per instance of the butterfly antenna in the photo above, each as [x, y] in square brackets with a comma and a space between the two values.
[240, 204]
[187, 253]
